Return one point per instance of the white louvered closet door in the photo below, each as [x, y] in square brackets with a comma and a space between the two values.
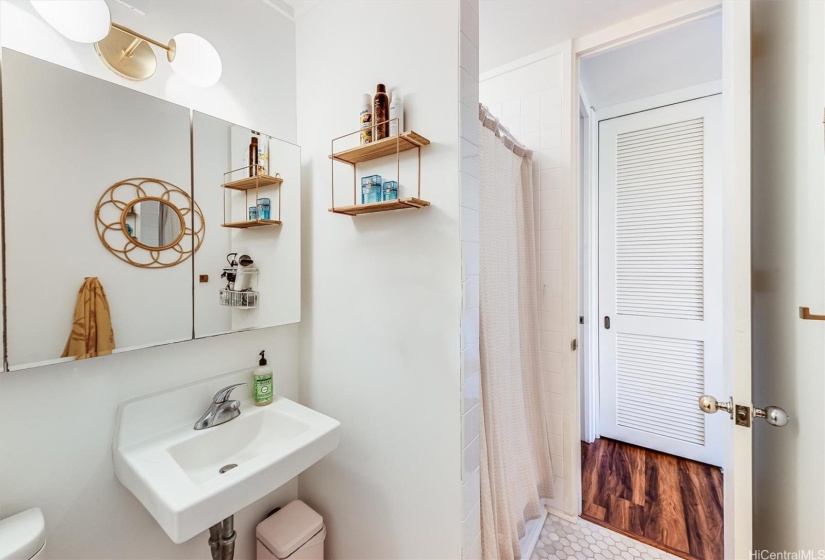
[660, 278]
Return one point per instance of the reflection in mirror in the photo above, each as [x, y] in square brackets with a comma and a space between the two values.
[257, 215]
[99, 135]
[153, 223]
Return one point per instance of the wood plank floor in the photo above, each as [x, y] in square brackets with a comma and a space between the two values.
[667, 501]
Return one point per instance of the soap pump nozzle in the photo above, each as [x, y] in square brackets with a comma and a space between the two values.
[262, 362]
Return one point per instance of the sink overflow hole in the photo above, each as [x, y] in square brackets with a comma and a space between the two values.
[228, 467]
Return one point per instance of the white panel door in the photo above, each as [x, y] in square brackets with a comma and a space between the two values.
[661, 278]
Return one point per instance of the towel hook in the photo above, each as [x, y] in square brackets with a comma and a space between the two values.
[805, 313]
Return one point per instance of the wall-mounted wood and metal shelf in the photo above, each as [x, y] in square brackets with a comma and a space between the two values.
[245, 185]
[381, 148]
[252, 223]
[400, 204]
[252, 182]
[393, 145]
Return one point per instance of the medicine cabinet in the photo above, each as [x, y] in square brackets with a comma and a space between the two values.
[69, 141]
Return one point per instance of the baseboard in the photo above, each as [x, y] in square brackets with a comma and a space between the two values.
[532, 532]
[559, 513]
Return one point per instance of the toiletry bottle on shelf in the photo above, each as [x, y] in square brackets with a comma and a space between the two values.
[390, 191]
[263, 157]
[396, 112]
[366, 119]
[370, 189]
[253, 157]
[381, 114]
[263, 382]
[264, 208]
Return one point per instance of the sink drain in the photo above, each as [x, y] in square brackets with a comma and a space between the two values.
[228, 467]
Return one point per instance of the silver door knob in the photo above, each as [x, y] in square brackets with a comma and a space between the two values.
[710, 405]
[773, 415]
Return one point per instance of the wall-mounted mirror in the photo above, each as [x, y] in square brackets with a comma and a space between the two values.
[248, 186]
[104, 228]
[153, 223]
[67, 138]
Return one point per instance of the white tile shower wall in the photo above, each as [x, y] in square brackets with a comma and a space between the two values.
[56, 422]
[528, 101]
[470, 362]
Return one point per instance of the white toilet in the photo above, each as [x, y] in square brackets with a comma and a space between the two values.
[23, 536]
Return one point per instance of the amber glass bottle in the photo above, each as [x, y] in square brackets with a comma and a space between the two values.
[253, 157]
[381, 113]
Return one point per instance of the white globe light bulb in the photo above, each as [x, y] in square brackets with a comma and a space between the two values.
[84, 21]
[195, 59]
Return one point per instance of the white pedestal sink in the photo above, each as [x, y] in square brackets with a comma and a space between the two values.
[174, 470]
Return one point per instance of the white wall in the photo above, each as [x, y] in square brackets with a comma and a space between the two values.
[56, 422]
[468, 177]
[789, 271]
[528, 100]
[382, 292]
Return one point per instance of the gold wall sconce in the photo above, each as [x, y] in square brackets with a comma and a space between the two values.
[126, 52]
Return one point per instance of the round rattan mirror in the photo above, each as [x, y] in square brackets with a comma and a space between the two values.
[149, 223]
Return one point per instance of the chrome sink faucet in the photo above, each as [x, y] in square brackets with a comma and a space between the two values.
[221, 410]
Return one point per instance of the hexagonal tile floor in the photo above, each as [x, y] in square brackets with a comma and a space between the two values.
[564, 540]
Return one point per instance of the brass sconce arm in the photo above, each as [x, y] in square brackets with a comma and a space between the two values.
[130, 50]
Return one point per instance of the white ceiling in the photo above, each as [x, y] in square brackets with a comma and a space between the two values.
[685, 56]
[511, 29]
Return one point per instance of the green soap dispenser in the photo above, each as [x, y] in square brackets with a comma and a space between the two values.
[263, 382]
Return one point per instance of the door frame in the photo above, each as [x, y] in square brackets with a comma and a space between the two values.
[588, 198]
[737, 321]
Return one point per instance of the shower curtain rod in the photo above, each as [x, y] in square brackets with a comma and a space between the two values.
[489, 121]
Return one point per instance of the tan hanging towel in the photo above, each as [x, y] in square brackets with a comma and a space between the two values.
[92, 333]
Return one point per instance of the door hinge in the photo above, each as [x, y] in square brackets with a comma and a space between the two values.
[574, 344]
[743, 415]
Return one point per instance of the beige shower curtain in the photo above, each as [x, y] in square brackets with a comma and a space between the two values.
[516, 473]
